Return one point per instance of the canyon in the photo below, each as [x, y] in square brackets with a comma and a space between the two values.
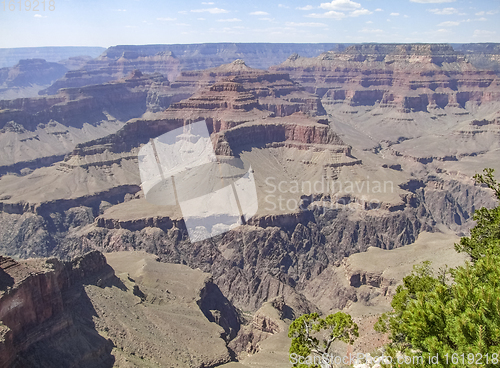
[420, 117]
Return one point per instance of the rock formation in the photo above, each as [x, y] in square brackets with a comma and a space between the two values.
[81, 314]
[30, 72]
[408, 77]
[39, 131]
[46, 316]
[170, 60]
[367, 147]
[280, 249]
[28, 77]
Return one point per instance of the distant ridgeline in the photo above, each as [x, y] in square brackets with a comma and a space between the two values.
[10, 57]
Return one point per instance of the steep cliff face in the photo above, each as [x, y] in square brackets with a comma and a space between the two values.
[414, 103]
[95, 199]
[55, 313]
[99, 71]
[43, 306]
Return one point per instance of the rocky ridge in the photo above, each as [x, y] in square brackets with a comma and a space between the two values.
[30, 72]
[45, 314]
[171, 60]
[411, 103]
[39, 131]
[275, 125]
[84, 313]
[409, 77]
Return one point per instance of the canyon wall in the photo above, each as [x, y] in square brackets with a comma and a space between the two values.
[46, 315]
[407, 77]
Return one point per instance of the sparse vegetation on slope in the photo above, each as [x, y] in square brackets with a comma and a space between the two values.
[452, 319]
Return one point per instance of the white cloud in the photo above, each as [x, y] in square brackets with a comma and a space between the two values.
[394, 14]
[339, 8]
[490, 12]
[210, 3]
[40, 16]
[378, 9]
[283, 6]
[331, 14]
[344, 5]
[369, 22]
[448, 24]
[432, 1]
[445, 11]
[267, 19]
[210, 10]
[360, 12]
[293, 24]
[259, 13]
[370, 30]
[200, 19]
[482, 32]
[166, 19]
[229, 20]
[307, 7]
[121, 10]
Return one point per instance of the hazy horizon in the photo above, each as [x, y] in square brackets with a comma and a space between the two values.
[140, 22]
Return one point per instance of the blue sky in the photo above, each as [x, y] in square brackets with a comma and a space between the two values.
[107, 23]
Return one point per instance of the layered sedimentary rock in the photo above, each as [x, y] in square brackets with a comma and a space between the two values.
[28, 77]
[326, 188]
[408, 102]
[30, 72]
[242, 95]
[37, 131]
[408, 77]
[46, 315]
[170, 60]
[164, 64]
[278, 251]
[81, 314]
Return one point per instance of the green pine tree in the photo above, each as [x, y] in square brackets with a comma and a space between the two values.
[457, 321]
[308, 336]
